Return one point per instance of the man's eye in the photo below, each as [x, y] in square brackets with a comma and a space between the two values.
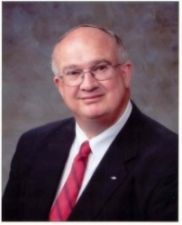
[101, 68]
[73, 73]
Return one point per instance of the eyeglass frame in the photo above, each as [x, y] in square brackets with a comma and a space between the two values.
[89, 70]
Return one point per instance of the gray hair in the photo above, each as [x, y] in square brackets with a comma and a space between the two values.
[123, 54]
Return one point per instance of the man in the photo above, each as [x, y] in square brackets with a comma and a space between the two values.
[126, 169]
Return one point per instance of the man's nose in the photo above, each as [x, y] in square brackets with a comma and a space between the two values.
[88, 81]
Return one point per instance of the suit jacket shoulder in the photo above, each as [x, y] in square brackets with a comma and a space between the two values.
[49, 129]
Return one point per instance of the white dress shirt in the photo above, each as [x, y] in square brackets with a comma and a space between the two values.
[99, 146]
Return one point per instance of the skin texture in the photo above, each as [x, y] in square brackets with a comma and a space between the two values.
[96, 105]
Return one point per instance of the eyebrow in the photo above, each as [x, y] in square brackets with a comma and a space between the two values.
[74, 66]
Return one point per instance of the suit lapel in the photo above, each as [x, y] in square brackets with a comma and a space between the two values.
[110, 173]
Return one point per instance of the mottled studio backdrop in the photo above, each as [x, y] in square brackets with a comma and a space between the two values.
[30, 29]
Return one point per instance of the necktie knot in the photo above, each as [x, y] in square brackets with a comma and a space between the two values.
[84, 150]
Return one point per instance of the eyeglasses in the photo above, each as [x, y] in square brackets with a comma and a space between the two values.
[100, 71]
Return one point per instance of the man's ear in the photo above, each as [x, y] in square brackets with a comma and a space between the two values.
[58, 82]
[126, 71]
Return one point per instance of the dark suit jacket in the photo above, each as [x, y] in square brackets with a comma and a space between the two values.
[143, 157]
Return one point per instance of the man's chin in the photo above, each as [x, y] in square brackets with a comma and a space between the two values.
[94, 116]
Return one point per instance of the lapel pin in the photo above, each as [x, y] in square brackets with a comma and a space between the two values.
[113, 177]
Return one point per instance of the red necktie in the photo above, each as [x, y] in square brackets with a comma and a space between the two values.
[67, 198]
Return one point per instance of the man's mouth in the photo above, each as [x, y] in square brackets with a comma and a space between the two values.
[91, 98]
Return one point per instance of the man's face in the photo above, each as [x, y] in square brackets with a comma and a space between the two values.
[92, 99]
